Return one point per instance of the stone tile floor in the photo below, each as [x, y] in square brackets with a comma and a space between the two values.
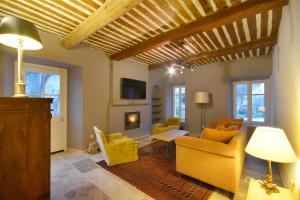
[75, 175]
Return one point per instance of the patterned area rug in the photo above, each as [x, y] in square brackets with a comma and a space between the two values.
[155, 174]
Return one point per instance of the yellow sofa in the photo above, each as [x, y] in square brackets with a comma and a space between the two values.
[215, 163]
[171, 123]
[116, 148]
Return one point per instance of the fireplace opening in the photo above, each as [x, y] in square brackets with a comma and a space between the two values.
[132, 120]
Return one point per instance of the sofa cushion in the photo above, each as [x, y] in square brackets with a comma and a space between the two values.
[218, 135]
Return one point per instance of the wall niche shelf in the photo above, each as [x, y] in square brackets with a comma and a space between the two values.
[157, 105]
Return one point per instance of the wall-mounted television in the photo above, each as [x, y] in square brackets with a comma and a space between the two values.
[133, 89]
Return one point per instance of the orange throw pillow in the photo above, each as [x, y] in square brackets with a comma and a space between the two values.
[235, 122]
[218, 135]
[224, 119]
[228, 128]
[227, 121]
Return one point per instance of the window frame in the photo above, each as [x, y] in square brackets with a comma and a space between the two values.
[180, 102]
[53, 70]
[267, 96]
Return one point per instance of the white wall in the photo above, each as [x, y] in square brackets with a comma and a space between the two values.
[215, 79]
[134, 70]
[88, 86]
[286, 83]
[85, 112]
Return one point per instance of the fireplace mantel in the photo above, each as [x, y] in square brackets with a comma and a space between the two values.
[130, 103]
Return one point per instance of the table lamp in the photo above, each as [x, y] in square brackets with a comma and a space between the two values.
[202, 98]
[270, 144]
[22, 35]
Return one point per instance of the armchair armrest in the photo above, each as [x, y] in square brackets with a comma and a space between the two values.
[158, 125]
[208, 146]
[161, 128]
[115, 136]
[173, 127]
[124, 145]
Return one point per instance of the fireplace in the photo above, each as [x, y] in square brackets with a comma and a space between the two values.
[132, 120]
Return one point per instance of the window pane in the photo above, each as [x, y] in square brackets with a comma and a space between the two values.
[52, 83]
[176, 110]
[258, 108]
[182, 116]
[33, 83]
[183, 99]
[176, 91]
[258, 88]
[179, 102]
[241, 88]
[183, 90]
[55, 106]
[242, 107]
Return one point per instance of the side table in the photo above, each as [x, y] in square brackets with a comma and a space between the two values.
[256, 192]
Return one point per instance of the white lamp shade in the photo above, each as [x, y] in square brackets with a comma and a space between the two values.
[202, 97]
[271, 144]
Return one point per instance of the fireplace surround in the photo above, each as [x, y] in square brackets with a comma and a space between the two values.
[132, 120]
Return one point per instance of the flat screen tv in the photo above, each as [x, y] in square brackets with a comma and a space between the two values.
[133, 89]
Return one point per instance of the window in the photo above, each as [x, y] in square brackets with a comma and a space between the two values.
[43, 84]
[179, 102]
[250, 100]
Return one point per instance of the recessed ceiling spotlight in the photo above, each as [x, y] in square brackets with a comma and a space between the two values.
[192, 68]
[181, 72]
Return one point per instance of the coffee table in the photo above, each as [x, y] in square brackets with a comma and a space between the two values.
[169, 137]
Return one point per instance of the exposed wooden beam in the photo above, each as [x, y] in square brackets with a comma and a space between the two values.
[228, 15]
[109, 11]
[224, 51]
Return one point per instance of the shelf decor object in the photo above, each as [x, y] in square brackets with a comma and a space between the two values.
[270, 144]
[202, 98]
[22, 35]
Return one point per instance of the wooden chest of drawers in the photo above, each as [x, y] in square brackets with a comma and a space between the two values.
[25, 148]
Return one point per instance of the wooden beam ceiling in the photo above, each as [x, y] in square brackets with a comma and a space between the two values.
[108, 12]
[149, 19]
[224, 52]
[222, 17]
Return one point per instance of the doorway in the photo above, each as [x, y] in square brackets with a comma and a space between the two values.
[50, 82]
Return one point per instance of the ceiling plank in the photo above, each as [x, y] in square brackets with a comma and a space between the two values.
[224, 51]
[108, 12]
[209, 22]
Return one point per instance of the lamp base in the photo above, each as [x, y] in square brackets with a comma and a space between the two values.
[20, 95]
[268, 184]
[20, 89]
[269, 187]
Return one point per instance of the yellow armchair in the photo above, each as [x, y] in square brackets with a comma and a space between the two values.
[116, 148]
[171, 123]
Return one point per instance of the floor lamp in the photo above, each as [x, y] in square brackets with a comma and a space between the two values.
[202, 98]
[22, 35]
